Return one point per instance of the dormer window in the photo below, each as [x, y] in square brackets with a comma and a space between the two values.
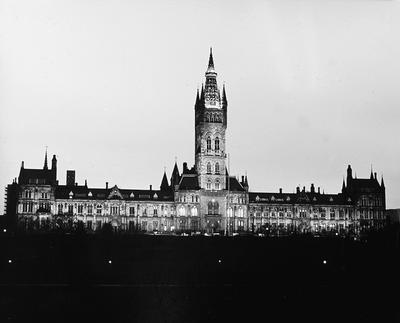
[71, 195]
[90, 194]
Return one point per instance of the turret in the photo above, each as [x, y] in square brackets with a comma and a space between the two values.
[45, 167]
[349, 175]
[54, 167]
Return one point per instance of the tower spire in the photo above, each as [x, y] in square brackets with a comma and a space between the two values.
[45, 160]
[211, 60]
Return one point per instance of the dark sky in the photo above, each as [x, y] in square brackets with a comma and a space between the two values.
[109, 87]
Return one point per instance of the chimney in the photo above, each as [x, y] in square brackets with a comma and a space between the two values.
[304, 189]
[312, 188]
[297, 190]
[86, 182]
[185, 168]
[151, 187]
[22, 164]
[106, 185]
[319, 191]
[280, 191]
[375, 176]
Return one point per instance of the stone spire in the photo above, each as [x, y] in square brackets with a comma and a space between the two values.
[175, 177]
[210, 61]
[211, 92]
[164, 183]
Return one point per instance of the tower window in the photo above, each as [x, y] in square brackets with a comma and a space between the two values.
[217, 184]
[208, 143]
[217, 168]
[208, 168]
[217, 144]
[208, 185]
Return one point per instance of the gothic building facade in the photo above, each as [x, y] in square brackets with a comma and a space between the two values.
[203, 198]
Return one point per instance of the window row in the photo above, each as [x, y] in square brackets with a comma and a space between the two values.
[43, 195]
[217, 170]
[188, 198]
[216, 144]
[217, 184]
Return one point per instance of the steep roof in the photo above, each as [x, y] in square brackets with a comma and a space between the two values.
[234, 184]
[36, 176]
[189, 182]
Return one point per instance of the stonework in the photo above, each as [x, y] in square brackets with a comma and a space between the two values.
[202, 199]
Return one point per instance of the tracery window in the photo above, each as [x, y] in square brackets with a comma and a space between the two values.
[208, 143]
[213, 208]
[217, 144]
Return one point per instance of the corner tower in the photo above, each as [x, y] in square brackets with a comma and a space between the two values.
[210, 127]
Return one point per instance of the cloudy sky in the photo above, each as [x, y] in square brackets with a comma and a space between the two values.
[109, 87]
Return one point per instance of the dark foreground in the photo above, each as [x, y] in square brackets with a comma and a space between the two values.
[197, 279]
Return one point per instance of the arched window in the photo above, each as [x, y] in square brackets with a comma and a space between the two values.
[217, 144]
[208, 117]
[194, 211]
[209, 184]
[217, 168]
[182, 211]
[210, 208]
[212, 117]
[216, 208]
[208, 143]
[217, 184]
[213, 208]
[208, 168]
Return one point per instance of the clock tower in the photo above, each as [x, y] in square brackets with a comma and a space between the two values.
[210, 128]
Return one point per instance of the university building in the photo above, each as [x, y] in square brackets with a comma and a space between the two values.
[203, 198]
